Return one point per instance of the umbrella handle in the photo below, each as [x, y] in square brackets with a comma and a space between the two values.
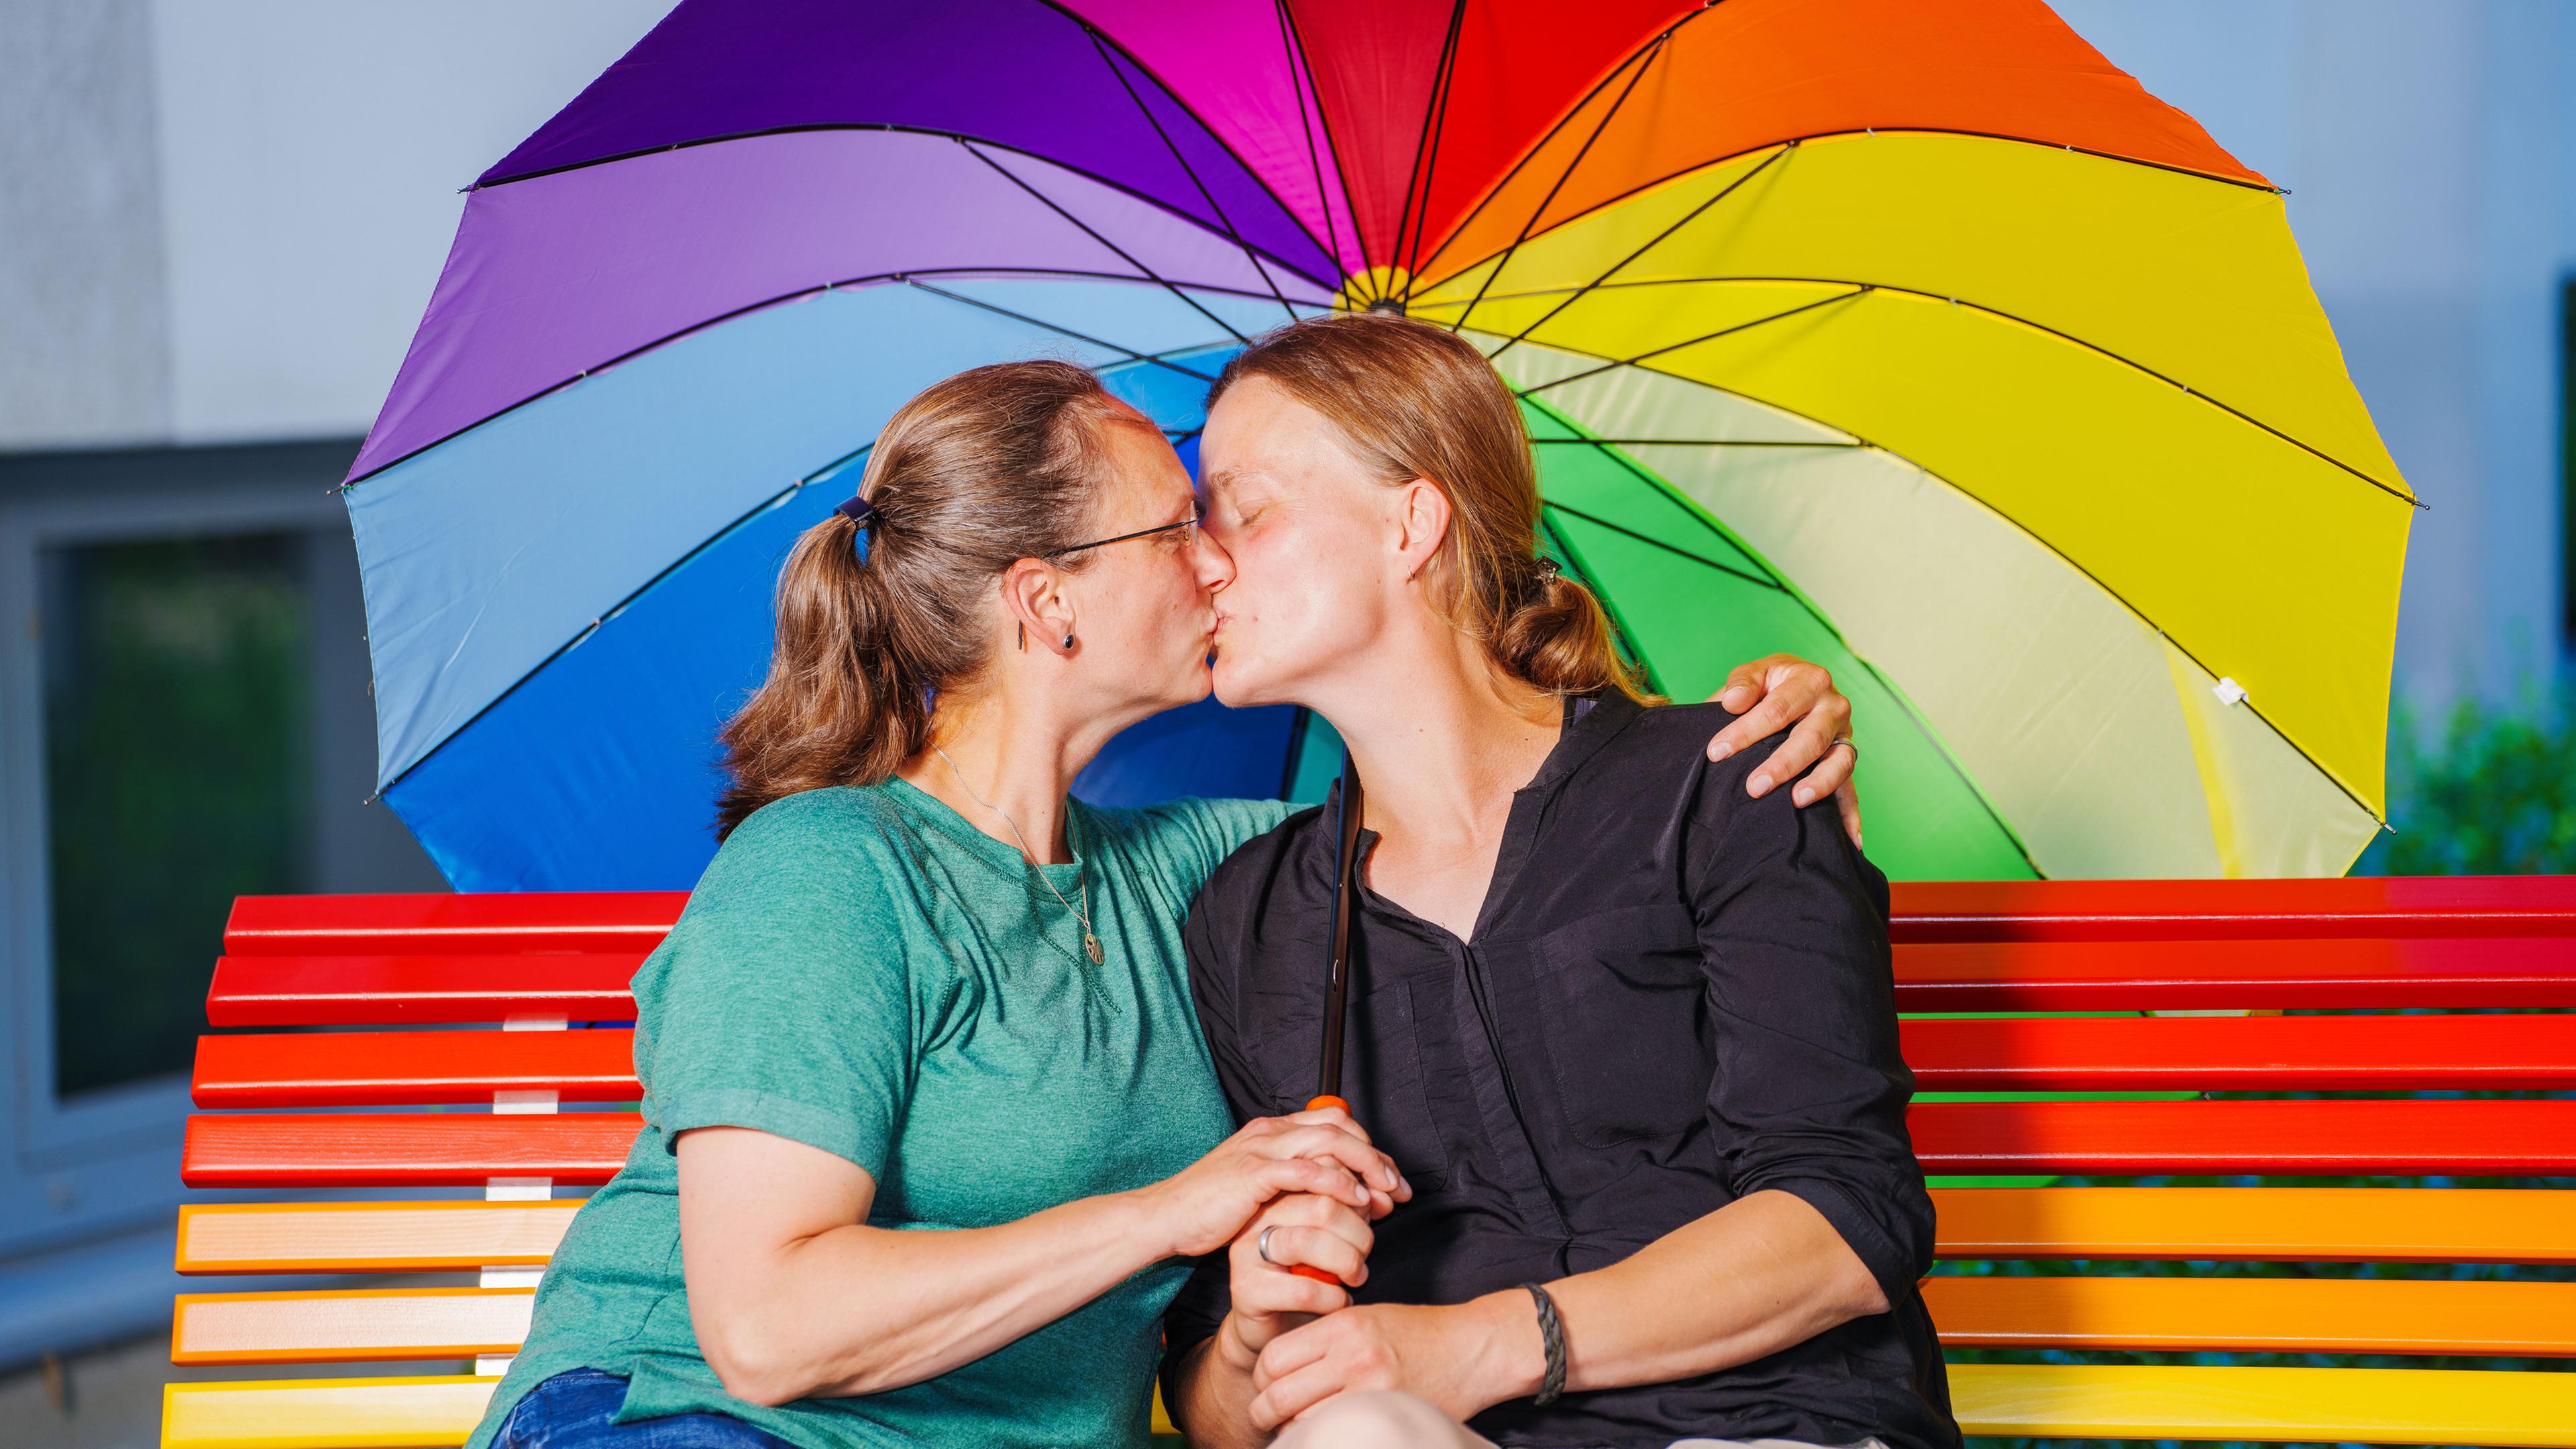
[1300, 1269]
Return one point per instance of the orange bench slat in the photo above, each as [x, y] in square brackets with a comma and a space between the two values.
[2351, 1315]
[2303, 1224]
[2299, 1315]
[428, 989]
[2243, 1053]
[349, 1326]
[333, 1149]
[2488, 1137]
[2321, 974]
[368, 1237]
[2291, 1224]
[397, 1068]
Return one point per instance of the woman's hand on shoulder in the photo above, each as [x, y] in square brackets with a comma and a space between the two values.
[1203, 1206]
[1786, 692]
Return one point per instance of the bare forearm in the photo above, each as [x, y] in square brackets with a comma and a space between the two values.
[1214, 1401]
[860, 1310]
[1750, 1279]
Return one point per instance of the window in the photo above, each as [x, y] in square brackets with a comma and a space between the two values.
[176, 729]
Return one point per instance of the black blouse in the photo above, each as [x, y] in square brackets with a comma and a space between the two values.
[1674, 995]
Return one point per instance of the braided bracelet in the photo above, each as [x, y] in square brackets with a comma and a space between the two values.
[1551, 1334]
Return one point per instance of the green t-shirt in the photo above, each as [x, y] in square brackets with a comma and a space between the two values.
[862, 971]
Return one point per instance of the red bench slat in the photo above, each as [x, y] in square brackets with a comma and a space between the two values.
[2338, 974]
[391, 990]
[2243, 1053]
[1980, 976]
[405, 1068]
[2377, 907]
[2282, 1138]
[421, 1149]
[477, 924]
[2385, 907]
[2278, 1138]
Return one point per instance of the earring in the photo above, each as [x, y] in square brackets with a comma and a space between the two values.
[1068, 641]
[1024, 638]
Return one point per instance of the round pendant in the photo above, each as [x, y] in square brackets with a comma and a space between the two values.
[1091, 947]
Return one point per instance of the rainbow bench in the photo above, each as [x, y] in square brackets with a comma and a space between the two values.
[2454, 988]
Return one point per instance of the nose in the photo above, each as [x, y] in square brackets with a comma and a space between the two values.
[1214, 565]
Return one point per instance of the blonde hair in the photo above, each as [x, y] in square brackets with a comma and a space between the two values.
[1415, 401]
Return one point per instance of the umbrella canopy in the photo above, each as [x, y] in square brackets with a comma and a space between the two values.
[1912, 337]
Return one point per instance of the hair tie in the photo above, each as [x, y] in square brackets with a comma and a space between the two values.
[859, 511]
[1547, 571]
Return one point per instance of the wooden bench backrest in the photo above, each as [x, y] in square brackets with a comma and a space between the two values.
[2499, 955]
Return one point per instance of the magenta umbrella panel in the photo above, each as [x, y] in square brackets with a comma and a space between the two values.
[675, 316]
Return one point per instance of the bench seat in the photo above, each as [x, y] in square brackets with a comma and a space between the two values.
[532, 1107]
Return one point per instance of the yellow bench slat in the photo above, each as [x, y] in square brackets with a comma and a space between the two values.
[2367, 1406]
[2371, 1406]
[2279, 1315]
[369, 1237]
[2308, 1224]
[340, 1327]
[395, 1413]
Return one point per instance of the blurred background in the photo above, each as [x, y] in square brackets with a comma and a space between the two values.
[220, 220]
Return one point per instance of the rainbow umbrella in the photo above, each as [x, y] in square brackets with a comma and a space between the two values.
[1909, 336]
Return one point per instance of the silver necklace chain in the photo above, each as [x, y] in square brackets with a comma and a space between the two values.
[1081, 881]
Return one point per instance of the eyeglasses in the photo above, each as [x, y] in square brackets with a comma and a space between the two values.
[1188, 528]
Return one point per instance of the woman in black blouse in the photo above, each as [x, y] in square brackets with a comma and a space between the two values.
[1629, 1031]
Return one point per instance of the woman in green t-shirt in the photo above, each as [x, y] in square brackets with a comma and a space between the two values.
[929, 1125]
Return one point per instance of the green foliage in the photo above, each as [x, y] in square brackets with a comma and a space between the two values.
[2495, 796]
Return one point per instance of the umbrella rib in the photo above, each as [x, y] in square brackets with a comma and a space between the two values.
[1657, 240]
[613, 610]
[2123, 600]
[1654, 182]
[1645, 60]
[1857, 290]
[2069, 338]
[1101, 48]
[1324, 123]
[1299, 79]
[1609, 609]
[1666, 495]
[1704, 561]
[1645, 51]
[1148, 272]
[1589, 442]
[1435, 112]
[754, 306]
[1131, 352]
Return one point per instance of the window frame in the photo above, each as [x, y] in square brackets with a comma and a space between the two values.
[75, 1168]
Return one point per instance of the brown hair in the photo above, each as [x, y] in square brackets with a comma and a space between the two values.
[1416, 401]
[991, 466]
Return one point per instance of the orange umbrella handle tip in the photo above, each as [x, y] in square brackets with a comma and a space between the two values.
[1318, 1103]
[1318, 1274]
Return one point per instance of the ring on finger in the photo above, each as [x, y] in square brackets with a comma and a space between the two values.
[1261, 1247]
[1845, 743]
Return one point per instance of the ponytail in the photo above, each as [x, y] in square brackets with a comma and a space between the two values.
[991, 466]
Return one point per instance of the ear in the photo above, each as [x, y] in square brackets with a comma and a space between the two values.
[1421, 521]
[1034, 597]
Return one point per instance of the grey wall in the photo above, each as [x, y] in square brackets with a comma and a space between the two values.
[84, 342]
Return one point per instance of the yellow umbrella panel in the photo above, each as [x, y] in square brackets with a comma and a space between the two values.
[2100, 450]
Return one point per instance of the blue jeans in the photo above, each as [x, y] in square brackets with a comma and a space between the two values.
[572, 1409]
